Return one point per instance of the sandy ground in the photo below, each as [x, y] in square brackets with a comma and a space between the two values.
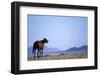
[61, 56]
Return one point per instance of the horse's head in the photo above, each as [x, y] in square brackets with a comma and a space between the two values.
[45, 40]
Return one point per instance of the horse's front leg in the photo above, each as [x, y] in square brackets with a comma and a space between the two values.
[38, 53]
[42, 52]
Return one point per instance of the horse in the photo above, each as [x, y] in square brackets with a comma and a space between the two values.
[38, 46]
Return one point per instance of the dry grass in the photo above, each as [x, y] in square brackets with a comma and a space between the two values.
[61, 56]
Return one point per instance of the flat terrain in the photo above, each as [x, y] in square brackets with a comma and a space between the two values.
[81, 55]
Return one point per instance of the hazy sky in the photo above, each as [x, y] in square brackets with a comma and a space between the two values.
[62, 32]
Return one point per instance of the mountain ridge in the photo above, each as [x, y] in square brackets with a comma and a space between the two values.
[55, 51]
[85, 47]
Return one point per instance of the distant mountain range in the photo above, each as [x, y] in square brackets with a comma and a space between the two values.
[74, 49]
[48, 50]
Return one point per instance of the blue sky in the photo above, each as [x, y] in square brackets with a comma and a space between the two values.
[63, 32]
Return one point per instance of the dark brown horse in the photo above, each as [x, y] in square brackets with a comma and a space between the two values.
[38, 46]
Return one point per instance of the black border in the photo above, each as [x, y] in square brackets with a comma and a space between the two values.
[15, 34]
